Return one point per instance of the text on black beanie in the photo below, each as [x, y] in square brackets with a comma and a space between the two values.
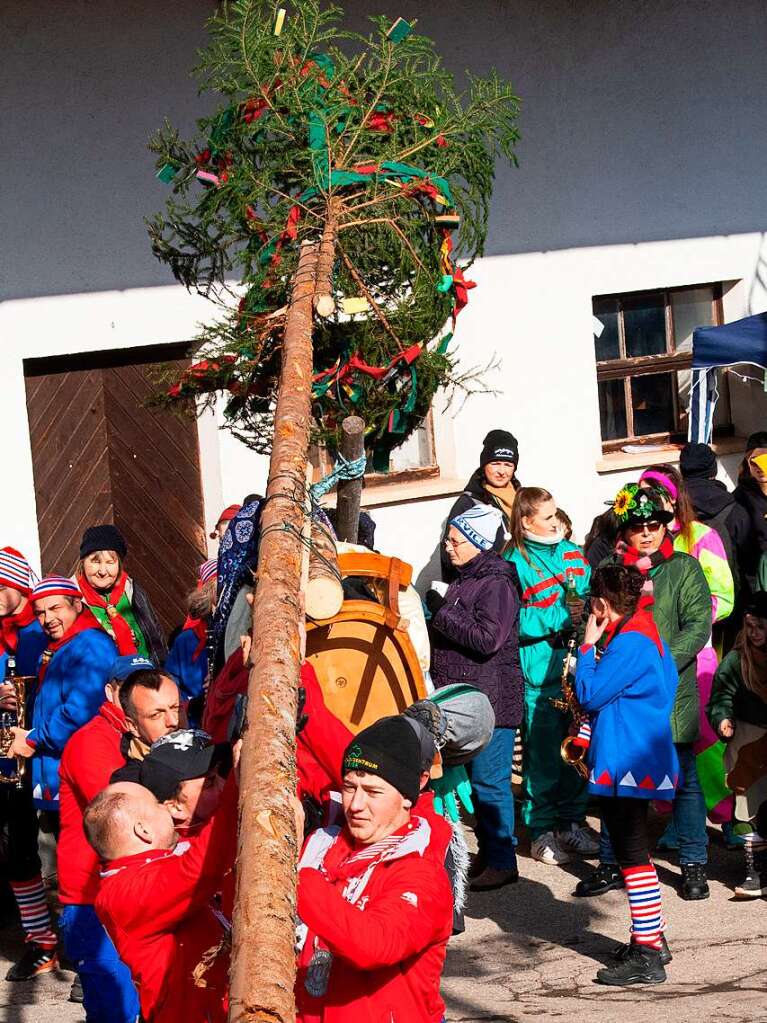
[391, 750]
[499, 446]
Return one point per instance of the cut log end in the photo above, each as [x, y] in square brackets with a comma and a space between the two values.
[324, 598]
[324, 305]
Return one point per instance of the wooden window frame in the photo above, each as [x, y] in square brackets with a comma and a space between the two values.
[626, 368]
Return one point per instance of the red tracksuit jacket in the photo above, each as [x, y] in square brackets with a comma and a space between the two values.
[89, 759]
[156, 907]
[388, 949]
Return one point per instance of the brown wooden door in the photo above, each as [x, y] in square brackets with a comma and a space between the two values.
[99, 454]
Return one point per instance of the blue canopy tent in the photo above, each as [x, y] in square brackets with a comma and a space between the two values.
[744, 341]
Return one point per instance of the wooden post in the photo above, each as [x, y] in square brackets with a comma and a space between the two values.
[263, 959]
[350, 491]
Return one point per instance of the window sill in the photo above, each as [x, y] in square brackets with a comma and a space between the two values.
[616, 461]
[410, 491]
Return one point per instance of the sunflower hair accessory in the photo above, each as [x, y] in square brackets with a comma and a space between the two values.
[625, 501]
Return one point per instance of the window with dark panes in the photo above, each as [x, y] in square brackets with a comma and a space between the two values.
[643, 350]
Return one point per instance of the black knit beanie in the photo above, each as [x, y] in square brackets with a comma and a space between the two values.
[391, 750]
[757, 440]
[697, 461]
[103, 538]
[757, 605]
[499, 446]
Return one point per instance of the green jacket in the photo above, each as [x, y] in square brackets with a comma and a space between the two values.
[730, 700]
[682, 612]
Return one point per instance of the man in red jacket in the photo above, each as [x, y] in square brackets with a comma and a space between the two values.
[376, 907]
[90, 757]
[156, 898]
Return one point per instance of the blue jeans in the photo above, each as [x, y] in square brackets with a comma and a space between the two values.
[493, 802]
[688, 814]
[108, 992]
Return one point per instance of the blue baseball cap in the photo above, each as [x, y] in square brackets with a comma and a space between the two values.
[127, 664]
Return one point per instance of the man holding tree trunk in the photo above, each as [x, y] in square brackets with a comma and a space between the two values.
[376, 911]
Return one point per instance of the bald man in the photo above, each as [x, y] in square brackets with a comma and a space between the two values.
[155, 898]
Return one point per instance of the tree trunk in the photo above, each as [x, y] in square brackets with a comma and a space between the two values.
[263, 958]
[350, 491]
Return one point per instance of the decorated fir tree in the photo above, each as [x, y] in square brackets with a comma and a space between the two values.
[323, 207]
[362, 140]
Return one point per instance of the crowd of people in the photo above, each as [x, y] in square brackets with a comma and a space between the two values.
[630, 671]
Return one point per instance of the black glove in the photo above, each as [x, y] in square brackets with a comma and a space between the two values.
[433, 601]
[301, 717]
[238, 718]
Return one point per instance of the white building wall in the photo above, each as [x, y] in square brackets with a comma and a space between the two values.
[642, 166]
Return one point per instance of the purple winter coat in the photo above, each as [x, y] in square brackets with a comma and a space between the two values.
[475, 635]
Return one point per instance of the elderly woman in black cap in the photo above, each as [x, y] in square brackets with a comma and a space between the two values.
[121, 606]
[493, 483]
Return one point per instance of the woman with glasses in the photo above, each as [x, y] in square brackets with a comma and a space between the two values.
[676, 592]
[475, 639]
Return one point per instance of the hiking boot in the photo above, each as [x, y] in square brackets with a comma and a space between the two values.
[36, 960]
[694, 882]
[76, 991]
[580, 839]
[642, 965]
[606, 878]
[622, 952]
[476, 866]
[546, 849]
[492, 878]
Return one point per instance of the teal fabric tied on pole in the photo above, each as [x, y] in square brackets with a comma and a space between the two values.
[342, 470]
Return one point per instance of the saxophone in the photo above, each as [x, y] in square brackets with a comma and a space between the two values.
[9, 720]
[573, 755]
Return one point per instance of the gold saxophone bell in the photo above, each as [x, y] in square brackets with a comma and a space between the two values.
[575, 756]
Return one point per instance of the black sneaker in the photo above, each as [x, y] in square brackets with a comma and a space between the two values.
[694, 882]
[492, 878]
[606, 878]
[622, 952]
[642, 965]
[36, 960]
[754, 885]
[76, 991]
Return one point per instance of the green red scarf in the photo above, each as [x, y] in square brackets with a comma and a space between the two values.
[123, 633]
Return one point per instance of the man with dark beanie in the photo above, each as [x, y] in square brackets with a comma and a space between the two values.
[714, 505]
[375, 910]
[493, 483]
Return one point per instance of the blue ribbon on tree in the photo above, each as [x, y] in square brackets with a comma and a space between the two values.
[342, 470]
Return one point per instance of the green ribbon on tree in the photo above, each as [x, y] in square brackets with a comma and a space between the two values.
[399, 417]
